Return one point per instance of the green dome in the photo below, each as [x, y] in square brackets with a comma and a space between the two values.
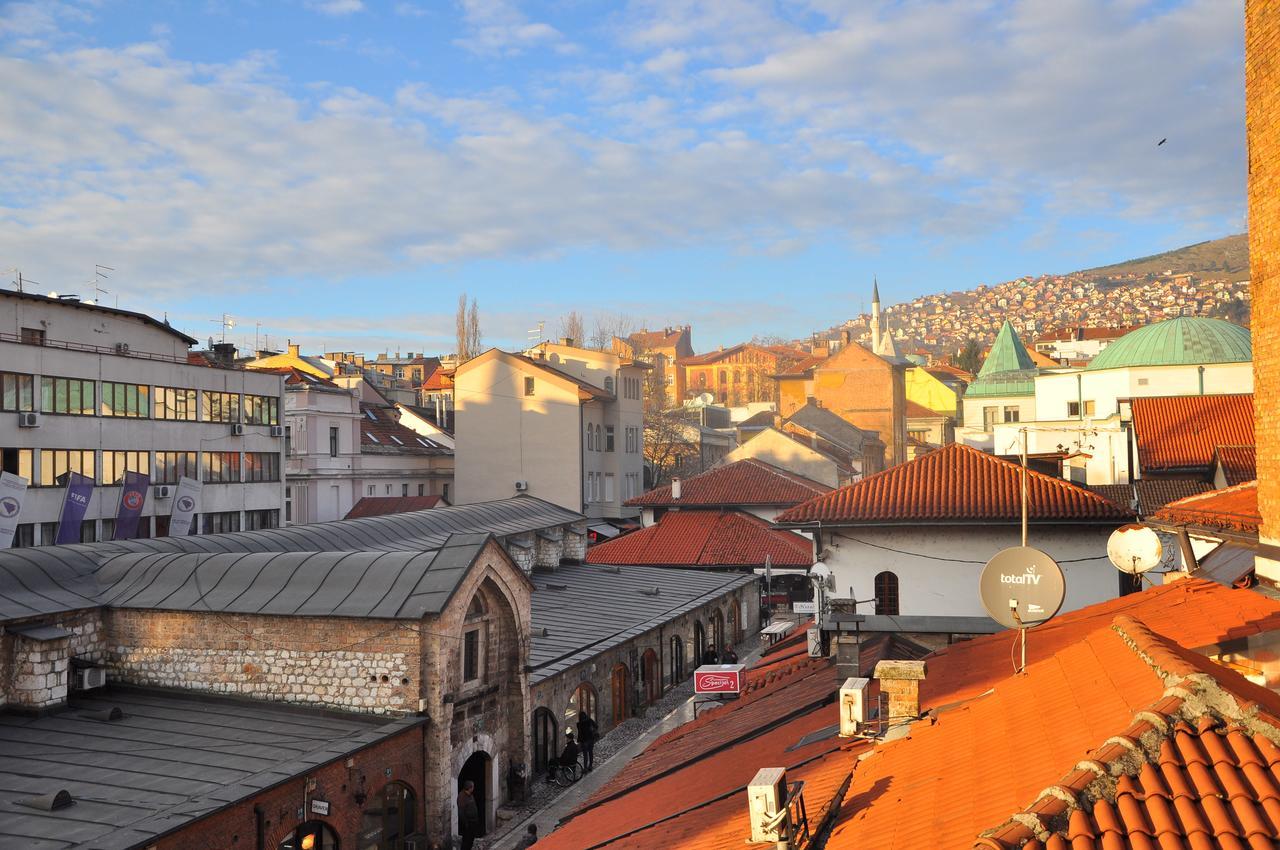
[1184, 341]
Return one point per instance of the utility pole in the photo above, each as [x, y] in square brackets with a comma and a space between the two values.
[1024, 486]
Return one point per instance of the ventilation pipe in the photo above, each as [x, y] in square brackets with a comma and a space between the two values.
[675, 488]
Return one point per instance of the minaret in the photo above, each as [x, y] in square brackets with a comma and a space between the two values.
[875, 314]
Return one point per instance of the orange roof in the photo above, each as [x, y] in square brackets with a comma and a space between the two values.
[439, 379]
[744, 482]
[706, 539]
[956, 483]
[916, 410]
[1072, 723]
[382, 433]
[1231, 509]
[648, 340]
[1181, 432]
[1239, 463]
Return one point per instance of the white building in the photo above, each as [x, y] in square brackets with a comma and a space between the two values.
[99, 391]
[562, 423]
[914, 539]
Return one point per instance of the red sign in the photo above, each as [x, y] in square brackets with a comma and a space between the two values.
[718, 679]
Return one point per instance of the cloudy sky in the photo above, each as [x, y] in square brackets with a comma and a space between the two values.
[338, 171]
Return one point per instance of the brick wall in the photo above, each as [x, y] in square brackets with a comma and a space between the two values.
[1262, 124]
[34, 675]
[362, 665]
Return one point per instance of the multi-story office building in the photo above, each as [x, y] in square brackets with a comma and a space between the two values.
[102, 391]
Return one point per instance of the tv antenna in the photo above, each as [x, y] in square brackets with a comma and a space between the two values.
[226, 323]
[535, 334]
[1135, 549]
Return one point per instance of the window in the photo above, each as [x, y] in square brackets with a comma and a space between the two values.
[116, 463]
[221, 468]
[221, 522]
[1074, 409]
[73, 396]
[55, 463]
[49, 533]
[608, 486]
[128, 400]
[608, 385]
[261, 466]
[19, 462]
[24, 536]
[422, 489]
[370, 489]
[219, 407]
[528, 386]
[288, 439]
[170, 466]
[333, 441]
[608, 438]
[724, 377]
[989, 417]
[174, 403]
[404, 489]
[33, 336]
[444, 492]
[261, 410]
[254, 520]
[886, 585]
[288, 505]
[17, 392]
[88, 531]
[921, 436]
[1012, 413]
[471, 655]
[591, 439]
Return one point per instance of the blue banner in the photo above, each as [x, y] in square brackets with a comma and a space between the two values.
[74, 506]
[133, 497]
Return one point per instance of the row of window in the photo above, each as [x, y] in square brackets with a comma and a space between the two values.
[598, 487]
[47, 467]
[91, 530]
[631, 388]
[993, 415]
[633, 439]
[372, 490]
[598, 441]
[79, 397]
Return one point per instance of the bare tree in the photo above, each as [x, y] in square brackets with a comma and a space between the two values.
[572, 327]
[607, 326]
[467, 329]
[460, 328]
[473, 330]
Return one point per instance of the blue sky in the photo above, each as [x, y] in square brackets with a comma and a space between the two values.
[338, 171]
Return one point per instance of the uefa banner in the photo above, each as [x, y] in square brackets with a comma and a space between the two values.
[185, 502]
[74, 506]
[133, 497]
[12, 491]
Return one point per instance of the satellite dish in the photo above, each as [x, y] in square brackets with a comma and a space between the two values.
[1022, 580]
[1134, 549]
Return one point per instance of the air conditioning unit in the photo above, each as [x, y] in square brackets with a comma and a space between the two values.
[766, 806]
[853, 706]
[122, 348]
[163, 491]
[87, 678]
[28, 420]
[522, 486]
[237, 430]
[277, 430]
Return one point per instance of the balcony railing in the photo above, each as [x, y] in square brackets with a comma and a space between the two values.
[88, 348]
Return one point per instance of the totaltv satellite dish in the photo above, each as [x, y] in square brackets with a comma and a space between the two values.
[1022, 587]
[1134, 549]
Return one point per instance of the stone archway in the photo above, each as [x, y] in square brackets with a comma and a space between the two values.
[484, 746]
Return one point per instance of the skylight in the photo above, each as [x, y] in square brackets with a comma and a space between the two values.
[373, 438]
[396, 440]
[368, 411]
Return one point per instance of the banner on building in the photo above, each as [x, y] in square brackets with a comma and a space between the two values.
[13, 490]
[133, 497]
[74, 506]
[185, 502]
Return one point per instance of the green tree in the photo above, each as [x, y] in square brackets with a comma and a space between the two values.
[968, 358]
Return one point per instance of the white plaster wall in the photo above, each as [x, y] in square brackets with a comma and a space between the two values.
[973, 409]
[776, 448]
[928, 586]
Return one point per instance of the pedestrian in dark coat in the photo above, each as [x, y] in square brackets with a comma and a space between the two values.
[468, 815]
[729, 656]
[587, 734]
[710, 656]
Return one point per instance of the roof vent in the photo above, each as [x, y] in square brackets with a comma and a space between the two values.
[48, 802]
[550, 586]
[543, 632]
[106, 715]
[656, 590]
[675, 488]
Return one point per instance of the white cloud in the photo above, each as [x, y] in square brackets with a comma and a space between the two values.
[498, 27]
[336, 8]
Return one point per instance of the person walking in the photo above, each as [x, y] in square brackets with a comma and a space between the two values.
[529, 839]
[729, 656]
[588, 731]
[710, 656]
[468, 815]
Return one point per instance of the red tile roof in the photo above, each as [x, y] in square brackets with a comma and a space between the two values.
[382, 433]
[1181, 432]
[743, 482]
[383, 505]
[706, 539]
[916, 410]
[649, 340]
[1239, 463]
[1231, 509]
[956, 483]
[439, 379]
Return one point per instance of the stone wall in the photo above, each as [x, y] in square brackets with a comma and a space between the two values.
[35, 674]
[369, 666]
[1262, 125]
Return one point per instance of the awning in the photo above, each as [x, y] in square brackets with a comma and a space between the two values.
[1227, 564]
[603, 529]
[41, 633]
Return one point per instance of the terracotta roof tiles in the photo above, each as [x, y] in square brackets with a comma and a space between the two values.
[956, 483]
[1230, 509]
[1182, 432]
[706, 539]
[744, 482]
[382, 433]
[1239, 463]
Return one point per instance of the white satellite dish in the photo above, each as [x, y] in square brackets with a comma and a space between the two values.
[1134, 549]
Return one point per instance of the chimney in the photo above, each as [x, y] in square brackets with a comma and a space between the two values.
[675, 488]
[295, 349]
[224, 353]
[900, 681]
[853, 706]
[845, 337]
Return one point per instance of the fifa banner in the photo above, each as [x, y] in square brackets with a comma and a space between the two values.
[74, 506]
[185, 502]
[133, 497]
[12, 491]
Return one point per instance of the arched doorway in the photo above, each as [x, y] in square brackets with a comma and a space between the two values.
[546, 739]
[677, 659]
[389, 815]
[621, 684]
[476, 770]
[699, 642]
[734, 636]
[717, 631]
[312, 835]
[583, 701]
[651, 674]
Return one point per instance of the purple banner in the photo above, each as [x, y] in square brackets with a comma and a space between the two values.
[74, 507]
[133, 497]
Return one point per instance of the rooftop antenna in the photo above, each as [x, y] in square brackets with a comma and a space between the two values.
[535, 334]
[100, 273]
[226, 323]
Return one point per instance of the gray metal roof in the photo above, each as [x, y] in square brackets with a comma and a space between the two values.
[171, 759]
[829, 425]
[1226, 564]
[52, 579]
[587, 609]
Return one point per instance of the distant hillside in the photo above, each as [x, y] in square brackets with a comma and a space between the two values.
[1226, 257]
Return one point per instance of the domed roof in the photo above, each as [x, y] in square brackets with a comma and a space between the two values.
[1184, 341]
